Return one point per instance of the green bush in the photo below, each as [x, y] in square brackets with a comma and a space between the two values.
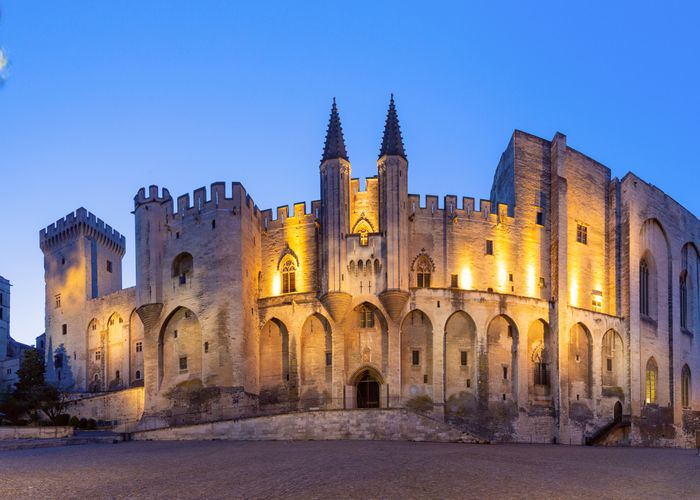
[91, 424]
[74, 421]
[83, 423]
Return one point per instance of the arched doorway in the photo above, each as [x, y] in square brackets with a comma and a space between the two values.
[367, 390]
[617, 412]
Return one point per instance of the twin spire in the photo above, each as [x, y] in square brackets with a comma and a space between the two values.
[392, 142]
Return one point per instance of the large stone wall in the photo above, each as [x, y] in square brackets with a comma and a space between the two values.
[125, 406]
[515, 317]
[387, 425]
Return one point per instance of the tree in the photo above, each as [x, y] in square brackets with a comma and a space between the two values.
[32, 393]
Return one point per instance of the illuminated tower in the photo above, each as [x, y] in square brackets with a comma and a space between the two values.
[335, 218]
[393, 215]
[82, 261]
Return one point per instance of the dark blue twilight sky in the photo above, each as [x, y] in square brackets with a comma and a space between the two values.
[102, 98]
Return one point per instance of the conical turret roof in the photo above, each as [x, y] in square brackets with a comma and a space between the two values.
[392, 143]
[335, 142]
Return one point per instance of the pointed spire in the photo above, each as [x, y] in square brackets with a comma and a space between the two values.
[392, 143]
[335, 142]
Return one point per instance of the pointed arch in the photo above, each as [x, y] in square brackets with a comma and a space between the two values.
[316, 365]
[179, 349]
[416, 354]
[539, 362]
[273, 362]
[612, 359]
[651, 381]
[502, 353]
[287, 254]
[116, 347]
[580, 362]
[688, 287]
[366, 338]
[460, 355]
[686, 387]
[95, 360]
[423, 267]
[363, 227]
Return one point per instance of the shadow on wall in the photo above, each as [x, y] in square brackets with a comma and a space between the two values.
[58, 369]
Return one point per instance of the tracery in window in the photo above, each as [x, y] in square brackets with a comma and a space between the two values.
[366, 317]
[644, 287]
[652, 373]
[289, 277]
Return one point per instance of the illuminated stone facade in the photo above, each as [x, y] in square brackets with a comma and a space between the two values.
[521, 317]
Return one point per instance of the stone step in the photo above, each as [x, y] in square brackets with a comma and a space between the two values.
[375, 424]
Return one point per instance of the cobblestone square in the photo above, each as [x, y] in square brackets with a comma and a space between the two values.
[346, 469]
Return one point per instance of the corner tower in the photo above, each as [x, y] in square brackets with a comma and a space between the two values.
[392, 166]
[335, 217]
[82, 261]
[151, 213]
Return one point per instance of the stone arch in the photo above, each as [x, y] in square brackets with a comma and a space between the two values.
[617, 412]
[648, 285]
[612, 360]
[179, 349]
[96, 359]
[363, 223]
[363, 227]
[580, 362]
[651, 382]
[460, 358]
[273, 362]
[416, 355]
[539, 361]
[288, 274]
[366, 334]
[368, 383]
[690, 296]
[117, 352]
[287, 253]
[655, 246]
[502, 355]
[686, 387]
[358, 374]
[183, 268]
[315, 375]
[136, 348]
[422, 267]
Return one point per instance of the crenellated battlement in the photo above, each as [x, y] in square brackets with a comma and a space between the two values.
[451, 208]
[153, 196]
[216, 198]
[274, 220]
[356, 186]
[78, 223]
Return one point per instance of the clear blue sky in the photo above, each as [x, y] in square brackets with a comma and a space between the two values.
[102, 98]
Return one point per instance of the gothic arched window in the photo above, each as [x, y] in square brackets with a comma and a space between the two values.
[685, 387]
[366, 317]
[423, 271]
[644, 287]
[652, 373]
[289, 271]
[684, 299]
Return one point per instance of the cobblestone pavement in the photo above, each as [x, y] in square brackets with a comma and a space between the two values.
[342, 469]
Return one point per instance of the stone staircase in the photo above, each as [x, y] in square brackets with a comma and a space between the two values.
[373, 424]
